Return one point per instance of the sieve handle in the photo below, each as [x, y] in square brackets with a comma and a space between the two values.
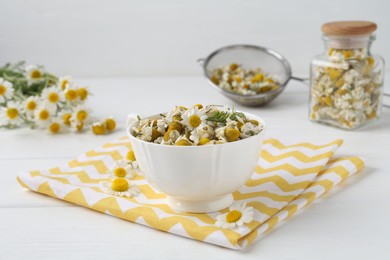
[304, 80]
[200, 61]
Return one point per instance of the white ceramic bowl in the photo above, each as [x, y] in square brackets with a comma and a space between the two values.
[197, 178]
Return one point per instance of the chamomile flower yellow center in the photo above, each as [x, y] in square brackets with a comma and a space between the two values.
[370, 60]
[80, 126]
[54, 128]
[254, 122]
[194, 120]
[232, 134]
[203, 140]
[110, 124]
[348, 54]
[36, 74]
[12, 113]
[257, 78]
[82, 93]
[64, 83]
[53, 97]
[155, 134]
[130, 156]
[82, 115]
[120, 184]
[66, 117]
[120, 172]
[233, 216]
[44, 115]
[183, 142]
[98, 129]
[32, 105]
[2, 90]
[175, 126]
[71, 94]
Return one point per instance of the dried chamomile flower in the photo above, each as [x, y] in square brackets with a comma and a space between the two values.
[345, 91]
[198, 125]
[235, 78]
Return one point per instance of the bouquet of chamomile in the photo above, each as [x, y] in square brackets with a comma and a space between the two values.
[29, 95]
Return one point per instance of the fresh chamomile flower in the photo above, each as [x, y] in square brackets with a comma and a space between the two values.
[6, 90]
[99, 128]
[110, 123]
[10, 114]
[35, 73]
[64, 82]
[76, 125]
[81, 114]
[193, 117]
[55, 126]
[122, 169]
[131, 160]
[237, 216]
[42, 115]
[120, 187]
[65, 117]
[71, 94]
[130, 156]
[53, 97]
[30, 105]
[83, 93]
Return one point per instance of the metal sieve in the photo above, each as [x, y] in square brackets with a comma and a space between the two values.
[250, 57]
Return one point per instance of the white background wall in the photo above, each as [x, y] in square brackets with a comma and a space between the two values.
[96, 38]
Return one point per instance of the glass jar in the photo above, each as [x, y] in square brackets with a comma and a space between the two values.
[347, 80]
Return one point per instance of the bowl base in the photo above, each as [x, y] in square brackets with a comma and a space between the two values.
[203, 206]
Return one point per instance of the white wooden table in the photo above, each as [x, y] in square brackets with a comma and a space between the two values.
[352, 222]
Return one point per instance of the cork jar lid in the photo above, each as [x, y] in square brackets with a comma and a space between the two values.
[346, 28]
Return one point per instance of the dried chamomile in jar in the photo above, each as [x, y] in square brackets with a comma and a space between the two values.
[346, 82]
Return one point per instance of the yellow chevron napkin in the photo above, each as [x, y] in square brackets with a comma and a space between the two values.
[287, 178]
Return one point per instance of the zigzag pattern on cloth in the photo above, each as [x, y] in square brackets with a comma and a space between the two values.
[286, 179]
